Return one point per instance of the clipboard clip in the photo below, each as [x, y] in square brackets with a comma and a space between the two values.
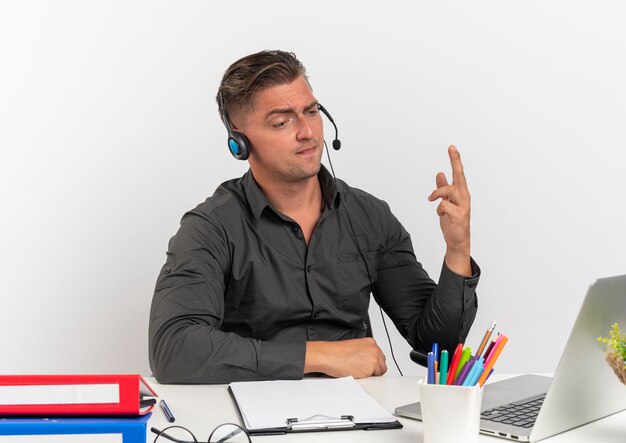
[320, 422]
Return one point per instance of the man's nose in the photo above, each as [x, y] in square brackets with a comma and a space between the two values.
[305, 131]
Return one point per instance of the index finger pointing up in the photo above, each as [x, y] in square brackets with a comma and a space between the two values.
[458, 176]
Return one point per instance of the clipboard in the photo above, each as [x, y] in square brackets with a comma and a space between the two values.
[310, 405]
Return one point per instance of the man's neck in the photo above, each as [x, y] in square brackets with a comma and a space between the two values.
[292, 197]
[301, 201]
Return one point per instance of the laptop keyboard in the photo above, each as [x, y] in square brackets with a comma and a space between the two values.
[521, 413]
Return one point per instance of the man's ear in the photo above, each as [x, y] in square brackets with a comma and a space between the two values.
[238, 119]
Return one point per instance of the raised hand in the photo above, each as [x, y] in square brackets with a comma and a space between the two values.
[454, 214]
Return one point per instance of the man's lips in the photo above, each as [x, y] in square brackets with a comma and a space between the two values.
[308, 150]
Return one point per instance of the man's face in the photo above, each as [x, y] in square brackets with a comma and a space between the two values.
[286, 132]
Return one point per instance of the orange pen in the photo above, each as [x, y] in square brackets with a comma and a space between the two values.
[492, 360]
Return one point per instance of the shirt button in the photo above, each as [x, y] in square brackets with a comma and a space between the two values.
[316, 313]
[295, 228]
[308, 268]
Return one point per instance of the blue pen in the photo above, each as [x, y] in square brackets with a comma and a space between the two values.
[436, 354]
[431, 368]
[167, 411]
[470, 374]
[469, 380]
[477, 375]
[436, 351]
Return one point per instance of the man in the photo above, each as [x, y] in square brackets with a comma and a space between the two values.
[270, 278]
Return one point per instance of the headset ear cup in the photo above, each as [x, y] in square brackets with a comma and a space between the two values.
[238, 145]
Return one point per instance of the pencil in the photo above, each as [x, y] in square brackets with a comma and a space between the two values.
[490, 329]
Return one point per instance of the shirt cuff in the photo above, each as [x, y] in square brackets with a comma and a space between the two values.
[450, 282]
[281, 361]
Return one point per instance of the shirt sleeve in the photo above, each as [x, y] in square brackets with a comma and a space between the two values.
[186, 344]
[423, 311]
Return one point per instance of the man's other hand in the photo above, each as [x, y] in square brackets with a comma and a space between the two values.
[359, 358]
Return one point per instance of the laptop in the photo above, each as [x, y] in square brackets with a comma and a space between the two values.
[583, 389]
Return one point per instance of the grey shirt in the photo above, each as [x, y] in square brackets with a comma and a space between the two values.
[241, 292]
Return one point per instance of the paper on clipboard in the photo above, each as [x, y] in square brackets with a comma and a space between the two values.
[270, 404]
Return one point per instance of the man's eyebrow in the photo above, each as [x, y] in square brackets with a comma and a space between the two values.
[313, 104]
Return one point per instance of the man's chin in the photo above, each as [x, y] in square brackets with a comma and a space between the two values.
[302, 174]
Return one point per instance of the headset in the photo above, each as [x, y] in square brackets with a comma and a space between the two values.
[239, 145]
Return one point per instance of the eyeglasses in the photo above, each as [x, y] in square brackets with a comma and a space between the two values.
[224, 433]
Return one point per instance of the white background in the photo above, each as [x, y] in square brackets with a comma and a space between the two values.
[109, 132]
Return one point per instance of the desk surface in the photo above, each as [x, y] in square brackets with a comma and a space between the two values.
[203, 407]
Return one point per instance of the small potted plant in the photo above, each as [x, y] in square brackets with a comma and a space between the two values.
[616, 354]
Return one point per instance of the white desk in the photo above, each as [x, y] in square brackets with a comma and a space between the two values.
[200, 408]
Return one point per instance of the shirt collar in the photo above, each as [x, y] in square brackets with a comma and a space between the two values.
[258, 201]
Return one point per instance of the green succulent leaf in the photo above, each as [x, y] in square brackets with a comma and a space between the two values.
[616, 341]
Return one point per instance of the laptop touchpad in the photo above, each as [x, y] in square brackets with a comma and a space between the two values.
[514, 389]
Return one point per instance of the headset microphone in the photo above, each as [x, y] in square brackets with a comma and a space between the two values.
[336, 141]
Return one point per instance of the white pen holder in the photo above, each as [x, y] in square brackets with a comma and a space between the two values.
[450, 414]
